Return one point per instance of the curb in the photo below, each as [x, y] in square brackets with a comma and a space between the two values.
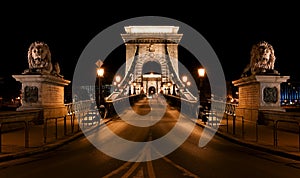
[253, 145]
[47, 147]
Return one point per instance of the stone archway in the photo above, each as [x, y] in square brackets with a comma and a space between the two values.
[151, 67]
[151, 91]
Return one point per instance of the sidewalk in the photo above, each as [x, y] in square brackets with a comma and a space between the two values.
[13, 142]
[286, 145]
[287, 142]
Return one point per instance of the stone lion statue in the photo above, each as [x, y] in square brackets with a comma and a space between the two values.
[56, 70]
[262, 60]
[39, 58]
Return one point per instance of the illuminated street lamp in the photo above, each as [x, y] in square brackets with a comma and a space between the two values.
[169, 92]
[184, 78]
[174, 88]
[134, 88]
[100, 98]
[129, 92]
[118, 78]
[99, 93]
[188, 83]
[201, 73]
[117, 81]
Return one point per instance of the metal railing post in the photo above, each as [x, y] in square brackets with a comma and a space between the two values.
[243, 127]
[256, 132]
[233, 124]
[26, 134]
[65, 125]
[45, 131]
[72, 123]
[56, 128]
[0, 137]
[227, 122]
[275, 133]
[299, 135]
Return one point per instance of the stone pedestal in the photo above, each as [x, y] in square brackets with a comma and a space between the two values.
[259, 92]
[44, 92]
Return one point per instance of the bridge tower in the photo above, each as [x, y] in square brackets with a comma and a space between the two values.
[152, 62]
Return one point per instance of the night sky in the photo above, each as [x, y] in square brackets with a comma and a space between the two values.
[67, 34]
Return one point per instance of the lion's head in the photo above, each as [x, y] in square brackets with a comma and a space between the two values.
[262, 60]
[262, 57]
[39, 57]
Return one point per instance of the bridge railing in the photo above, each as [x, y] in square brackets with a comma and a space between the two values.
[56, 127]
[276, 129]
[18, 120]
[264, 128]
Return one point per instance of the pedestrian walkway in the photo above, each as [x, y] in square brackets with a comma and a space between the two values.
[245, 133]
[280, 142]
[59, 131]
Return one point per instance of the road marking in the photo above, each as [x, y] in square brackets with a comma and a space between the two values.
[125, 165]
[185, 171]
[130, 171]
[150, 169]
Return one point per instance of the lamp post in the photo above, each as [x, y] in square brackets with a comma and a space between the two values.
[100, 99]
[117, 81]
[184, 78]
[169, 92]
[174, 88]
[202, 115]
[100, 74]
[201, 73]
[134, 88]
[129, 90]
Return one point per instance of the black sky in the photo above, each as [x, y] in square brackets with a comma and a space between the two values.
[230, 35]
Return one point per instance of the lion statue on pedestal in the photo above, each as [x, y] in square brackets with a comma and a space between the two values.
[39, 60]
[262, 60]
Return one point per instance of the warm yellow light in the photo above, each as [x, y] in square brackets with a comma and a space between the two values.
[188, 83]
[118, 78]
[184, 78]
[201, 72]
[100, 72]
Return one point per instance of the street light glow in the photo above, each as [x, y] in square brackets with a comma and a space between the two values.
[184, 79]
[100, 72]
[118, 78]
[201, 72]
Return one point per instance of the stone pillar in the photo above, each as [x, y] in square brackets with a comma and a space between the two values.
[259, 92]
[45, 92]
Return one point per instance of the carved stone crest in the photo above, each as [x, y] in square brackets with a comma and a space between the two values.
[31, 94]
[270, 94]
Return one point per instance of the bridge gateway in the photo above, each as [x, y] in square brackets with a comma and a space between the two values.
[152, 62]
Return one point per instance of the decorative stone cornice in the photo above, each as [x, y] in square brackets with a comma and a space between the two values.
[260, 78]
[151, 38]
[151, 34]
[42, 78]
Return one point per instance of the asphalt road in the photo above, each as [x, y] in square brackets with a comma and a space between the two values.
[83, 158]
